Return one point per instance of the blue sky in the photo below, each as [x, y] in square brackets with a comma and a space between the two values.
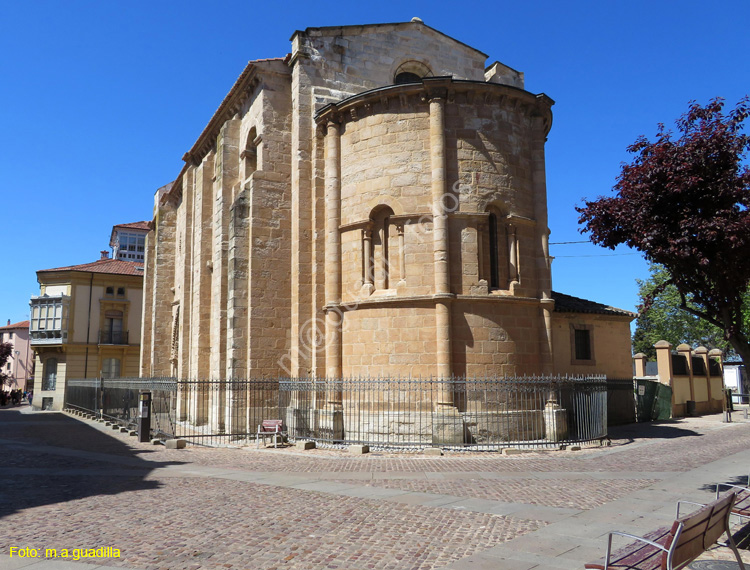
[100, 99]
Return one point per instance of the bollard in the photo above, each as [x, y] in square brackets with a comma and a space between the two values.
[144, 417]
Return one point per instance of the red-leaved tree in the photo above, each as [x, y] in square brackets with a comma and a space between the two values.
[6, 350]
[684, 202]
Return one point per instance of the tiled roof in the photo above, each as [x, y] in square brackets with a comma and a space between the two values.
[21, 325]
[569, 304]
[112, 266]
[135, 226]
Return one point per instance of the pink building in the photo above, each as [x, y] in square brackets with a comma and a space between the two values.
[20, 365]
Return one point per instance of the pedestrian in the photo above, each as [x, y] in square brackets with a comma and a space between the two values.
[29, 396]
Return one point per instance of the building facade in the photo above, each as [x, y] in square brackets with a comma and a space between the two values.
[375, 204]
[20, 365]
[85, 323]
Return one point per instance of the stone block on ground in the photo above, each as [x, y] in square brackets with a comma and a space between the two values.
[175, 443]
[305, 445]
[359, 449]
[435, 451]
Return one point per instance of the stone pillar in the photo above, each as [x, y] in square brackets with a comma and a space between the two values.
[640, 365]
[547, 362]
[702, 352]
[686, 352]
[664, 367]
[401, 254]
[513, 255]
[440, 245]
[367, 260]
[163, 285]
[333, 251]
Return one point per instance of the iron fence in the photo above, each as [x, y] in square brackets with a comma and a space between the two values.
[479, 413]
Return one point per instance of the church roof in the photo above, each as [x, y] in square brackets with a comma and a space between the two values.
[569, 304]
[111, 266]
[358, 28]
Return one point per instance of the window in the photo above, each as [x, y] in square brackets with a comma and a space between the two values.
[109, 291]
[411, 72]
[121, 291]
[112, 332]
[582, 346]
[49, 378]
[407, 77]
[377, 267]
[129, 246]
[49, 316]
[111, 368]
[250, 153]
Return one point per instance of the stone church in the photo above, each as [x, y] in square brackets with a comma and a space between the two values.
[374, 203]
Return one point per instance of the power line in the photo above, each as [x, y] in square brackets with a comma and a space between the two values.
[600, 255]
[567, 242]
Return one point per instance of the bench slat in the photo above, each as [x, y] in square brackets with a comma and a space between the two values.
[637, 555]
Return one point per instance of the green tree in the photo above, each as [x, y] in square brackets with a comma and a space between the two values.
[661, 318]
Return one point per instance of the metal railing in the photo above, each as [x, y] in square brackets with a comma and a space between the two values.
[113, 337]
[479, 413]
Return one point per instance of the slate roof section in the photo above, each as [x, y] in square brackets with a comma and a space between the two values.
[21, 325]
[569, 304]
[111, 266]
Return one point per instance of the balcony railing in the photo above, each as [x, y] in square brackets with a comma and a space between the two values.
[47, 336]
[113, 337]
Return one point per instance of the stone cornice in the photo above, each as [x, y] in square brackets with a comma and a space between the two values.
[447, 88]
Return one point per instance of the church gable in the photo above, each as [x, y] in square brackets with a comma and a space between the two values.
[352, 59]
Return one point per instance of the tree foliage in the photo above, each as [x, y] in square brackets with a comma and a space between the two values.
[6, 350]
[684, 202]
[665, 320]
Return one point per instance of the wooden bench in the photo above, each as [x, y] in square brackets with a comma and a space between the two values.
[741, 507]
[672, 548]
[272, 428]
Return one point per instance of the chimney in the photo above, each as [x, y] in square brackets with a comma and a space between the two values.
[8, 322]
[105, 254]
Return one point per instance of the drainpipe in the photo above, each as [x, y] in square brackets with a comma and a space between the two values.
[88, 329]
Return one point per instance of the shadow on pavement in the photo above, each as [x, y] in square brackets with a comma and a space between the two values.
[49, 458]
[651, 430]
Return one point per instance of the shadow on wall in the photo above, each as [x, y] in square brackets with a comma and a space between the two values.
[51, 458]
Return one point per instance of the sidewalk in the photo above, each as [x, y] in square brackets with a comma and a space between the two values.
[79, 485]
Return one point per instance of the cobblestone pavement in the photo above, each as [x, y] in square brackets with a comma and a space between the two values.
[71, 484]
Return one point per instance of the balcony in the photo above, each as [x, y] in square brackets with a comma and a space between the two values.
[113, 337]
[54, 336]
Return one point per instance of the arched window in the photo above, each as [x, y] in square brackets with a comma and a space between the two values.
[49, 377]
[406, 77]
[377, 250]
[499, 263]
[411, 72]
